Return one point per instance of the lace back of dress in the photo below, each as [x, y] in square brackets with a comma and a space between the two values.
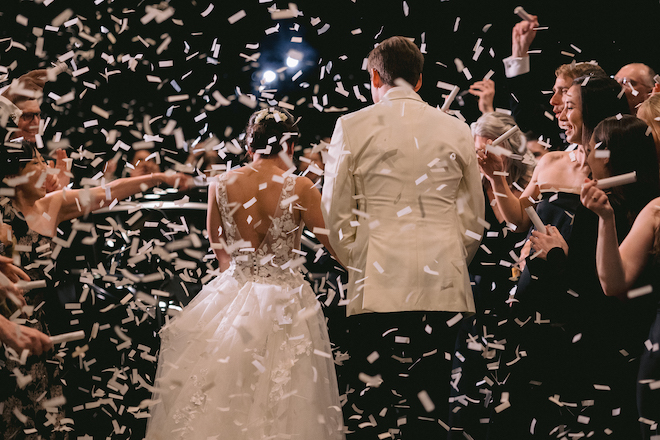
[274, 256]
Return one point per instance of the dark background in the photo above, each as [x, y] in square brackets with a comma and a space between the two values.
[613, 33]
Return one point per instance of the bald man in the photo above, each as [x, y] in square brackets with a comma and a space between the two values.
[637, 79]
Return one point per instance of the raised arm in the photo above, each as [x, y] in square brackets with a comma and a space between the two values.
[620, 266]
[485, 91]
[214, 228]
[511, 207]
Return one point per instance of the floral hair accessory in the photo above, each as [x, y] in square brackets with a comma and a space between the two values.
[270, 113]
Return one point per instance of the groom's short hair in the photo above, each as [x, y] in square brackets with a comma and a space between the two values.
[396, 57]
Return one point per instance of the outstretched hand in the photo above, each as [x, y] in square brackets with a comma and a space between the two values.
[13, 273]
[522, 35]
[595, 199]
[485, 90]
[21, 338]
[180, 181]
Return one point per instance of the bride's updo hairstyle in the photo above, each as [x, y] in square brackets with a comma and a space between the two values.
[268, 130]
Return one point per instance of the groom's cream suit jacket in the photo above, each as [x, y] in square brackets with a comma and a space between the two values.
[404, 205]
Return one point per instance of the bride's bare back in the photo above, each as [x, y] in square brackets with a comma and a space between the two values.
[253, 193]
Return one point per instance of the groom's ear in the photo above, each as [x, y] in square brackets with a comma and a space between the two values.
[376, 80]
[419, 83]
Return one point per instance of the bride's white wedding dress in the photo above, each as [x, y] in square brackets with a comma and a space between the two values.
[249, 357]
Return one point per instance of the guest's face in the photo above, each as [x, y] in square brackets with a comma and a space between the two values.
[633, 79]
[28, 123]
[571, 115]
[536, 149]
[562, 84]
[142, 166]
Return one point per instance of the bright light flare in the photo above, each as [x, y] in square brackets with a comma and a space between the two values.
[269, 76]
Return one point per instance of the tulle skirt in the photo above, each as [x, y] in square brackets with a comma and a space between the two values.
[247, 360]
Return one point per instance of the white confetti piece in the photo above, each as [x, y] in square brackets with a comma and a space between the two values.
[640, 291]
[430, 272]
[455, 320]
[473, 235]
[208, 10]
[249, 203]
[428, 404]
[405, 211]
[237, 16]
[378, 267]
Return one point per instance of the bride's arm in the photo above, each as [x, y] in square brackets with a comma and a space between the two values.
[214, 228]
[310, 199]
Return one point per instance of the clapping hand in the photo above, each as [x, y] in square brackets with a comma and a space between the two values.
[56, 182]
[542, 243]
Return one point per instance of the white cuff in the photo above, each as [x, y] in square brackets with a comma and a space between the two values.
[514, 66]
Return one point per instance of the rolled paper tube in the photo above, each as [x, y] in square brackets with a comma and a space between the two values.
[536, 220]
[450, 98]
[67, 337]
[622, 179]
[520, 12]
[505, 136]
[29, 285]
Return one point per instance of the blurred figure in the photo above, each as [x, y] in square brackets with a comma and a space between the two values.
[649, 112]
[203, 156]
[142, 164]
[534, 145]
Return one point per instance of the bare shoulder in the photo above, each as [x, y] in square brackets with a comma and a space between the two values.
[651, 213]
[305, 186]
[553, 157]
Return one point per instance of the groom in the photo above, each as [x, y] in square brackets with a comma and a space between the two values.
[402, 199]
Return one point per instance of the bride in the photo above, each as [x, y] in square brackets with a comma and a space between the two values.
[249, 357]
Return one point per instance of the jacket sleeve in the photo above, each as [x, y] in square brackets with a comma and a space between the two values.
[338, 199]
[470, 200]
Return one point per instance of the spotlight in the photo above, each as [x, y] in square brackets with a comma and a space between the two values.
[269, 76]
[294, 57]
